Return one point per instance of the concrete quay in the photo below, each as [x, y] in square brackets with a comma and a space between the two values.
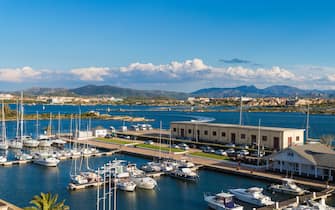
[210, 164]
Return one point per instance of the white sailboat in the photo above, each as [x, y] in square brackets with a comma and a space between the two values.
[44, 141]
[28, 141]
[3, 143]
[17, 142]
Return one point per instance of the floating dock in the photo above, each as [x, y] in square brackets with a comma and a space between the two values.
[21, 162]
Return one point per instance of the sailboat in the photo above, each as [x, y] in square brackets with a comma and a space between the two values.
[58, 141]
[43, 139]
[28, 141]
[74, 151]
[17, 142]
[3, 143]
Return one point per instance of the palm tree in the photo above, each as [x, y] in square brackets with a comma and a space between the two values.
[47, 202]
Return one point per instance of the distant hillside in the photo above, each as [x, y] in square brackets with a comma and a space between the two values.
[37, 91]
[252, 91]
[107, 90]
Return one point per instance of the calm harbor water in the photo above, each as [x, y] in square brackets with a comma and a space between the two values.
[19, 183]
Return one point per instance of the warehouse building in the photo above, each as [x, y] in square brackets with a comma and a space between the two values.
[269, 137]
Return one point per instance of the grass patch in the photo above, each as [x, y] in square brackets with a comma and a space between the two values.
[155, 147]
[209, 155]
[115, 141]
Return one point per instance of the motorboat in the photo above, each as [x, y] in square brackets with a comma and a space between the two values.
[4, 145]
[29, 142]
[252, 195]
[186, 164]
[288, 186]
[185, 174]
[144, 182]
[44, 141]
[3, 159]
[152, 167]
[221, 201]
[126, 185]
[46, 160]
[15, 144]
[23, 156]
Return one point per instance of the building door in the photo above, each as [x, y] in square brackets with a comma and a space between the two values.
[253, 140]
[289, 141]
[233, 138]
[198, 135]
[276, 143]
[182, 133]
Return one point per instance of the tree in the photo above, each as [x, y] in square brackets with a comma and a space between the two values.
[327, 140]
[47, 202]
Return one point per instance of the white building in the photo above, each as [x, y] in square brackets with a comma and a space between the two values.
[310, 160]
[99, 132]
[85, 135]
[4, 96]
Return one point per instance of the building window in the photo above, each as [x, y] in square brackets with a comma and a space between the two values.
[223, 134]
[297, 138]
[206, 132]
[214, 133]
[242, 136]
[174, 129]
[189, 131]
[264, 138]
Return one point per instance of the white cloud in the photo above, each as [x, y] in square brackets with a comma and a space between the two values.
[19, 74]
[91, 73]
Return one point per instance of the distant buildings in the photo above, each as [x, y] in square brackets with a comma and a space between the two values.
[4, 96]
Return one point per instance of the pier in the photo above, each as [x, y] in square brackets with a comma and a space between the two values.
[211, 164]
[300, 199]
[64, 157]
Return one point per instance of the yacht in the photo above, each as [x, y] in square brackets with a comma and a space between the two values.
[44, 141]
[15, 144]
[3, 159]
[186, 164]
[221, 201]
[252, 195]
[311, 205]
[29, 142]
[288, 186]
[185, 174]
[144, 182]
[23, 156]
[126, 185]
[46, 160]
[152, 167]
[4, 145]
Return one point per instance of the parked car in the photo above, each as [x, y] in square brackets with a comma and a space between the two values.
[175, 146]
[243, 152]
[230, 145]
[244, 146]
[148, 142]
[220, 152]
[255, 154]
[230, 152]
[194, 146]
[183, 146]
[208, 149]
[109, 135]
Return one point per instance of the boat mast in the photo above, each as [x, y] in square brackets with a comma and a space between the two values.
[241, 109]
[307, 123]
[3, 123]
[50, 123]
[71, 119]
[58, 124]
[21, 125]
[259, 140]
[160, 139]
[36, 124]
[17, 118]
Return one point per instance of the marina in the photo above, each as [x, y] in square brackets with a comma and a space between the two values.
[204, 167]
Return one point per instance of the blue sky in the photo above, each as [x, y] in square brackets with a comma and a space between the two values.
[173, 44]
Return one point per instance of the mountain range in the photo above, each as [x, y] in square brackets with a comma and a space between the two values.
[249, 91]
